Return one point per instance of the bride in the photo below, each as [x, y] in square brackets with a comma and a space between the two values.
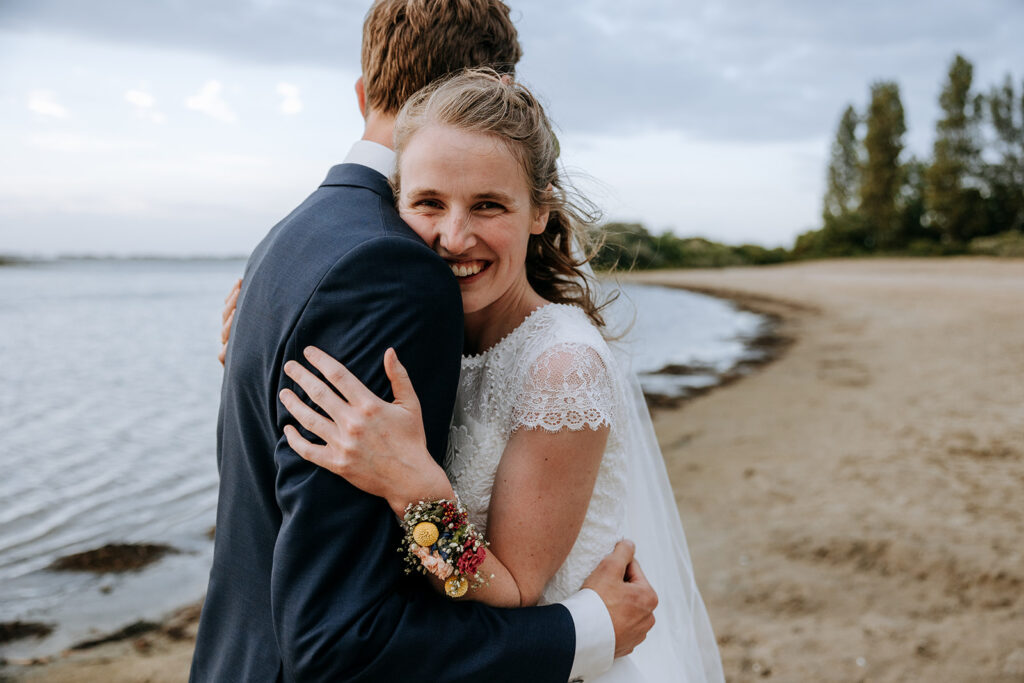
[551, 449]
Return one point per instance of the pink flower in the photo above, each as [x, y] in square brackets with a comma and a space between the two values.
[432, 562]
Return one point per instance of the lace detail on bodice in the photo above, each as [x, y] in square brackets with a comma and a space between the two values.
[553, 372]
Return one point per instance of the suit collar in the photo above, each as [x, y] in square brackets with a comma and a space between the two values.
[357, 175]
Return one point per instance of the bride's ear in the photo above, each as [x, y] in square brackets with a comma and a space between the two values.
[540, 221]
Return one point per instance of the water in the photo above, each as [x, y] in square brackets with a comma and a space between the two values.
[670, 327]
[110, 390]
[110, 386]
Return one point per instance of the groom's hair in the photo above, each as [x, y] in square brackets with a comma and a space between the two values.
[407, 44]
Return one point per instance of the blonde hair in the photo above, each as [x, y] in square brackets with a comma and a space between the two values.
[410, 43]
[484, 101]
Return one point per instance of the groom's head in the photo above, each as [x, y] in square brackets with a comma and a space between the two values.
[409, 43]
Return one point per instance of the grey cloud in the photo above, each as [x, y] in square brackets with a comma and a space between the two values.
[755, 70]
[724, 69]
[309, 31]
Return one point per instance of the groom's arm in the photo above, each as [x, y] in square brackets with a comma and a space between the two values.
[342, 608]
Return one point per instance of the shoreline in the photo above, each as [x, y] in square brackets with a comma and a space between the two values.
[773, 339]
[852, 507]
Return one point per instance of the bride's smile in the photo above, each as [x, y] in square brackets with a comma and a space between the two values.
[467, 270]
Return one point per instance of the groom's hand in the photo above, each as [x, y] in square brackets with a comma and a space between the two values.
[627, 595]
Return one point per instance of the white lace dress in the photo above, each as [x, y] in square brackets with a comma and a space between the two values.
[554, 371]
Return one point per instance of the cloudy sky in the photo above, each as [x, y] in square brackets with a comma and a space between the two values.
[191, 126]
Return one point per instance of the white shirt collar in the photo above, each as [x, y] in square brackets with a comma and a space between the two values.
[372, 155]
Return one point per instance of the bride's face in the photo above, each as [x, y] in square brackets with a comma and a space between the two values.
[468, 198]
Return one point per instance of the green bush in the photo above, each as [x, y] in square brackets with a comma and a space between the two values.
[1009, 243]
[628, 246]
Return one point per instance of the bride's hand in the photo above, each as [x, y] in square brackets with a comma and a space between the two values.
[377, 446]
[228, 317]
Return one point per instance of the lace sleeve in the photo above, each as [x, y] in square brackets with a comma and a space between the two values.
[568, 386]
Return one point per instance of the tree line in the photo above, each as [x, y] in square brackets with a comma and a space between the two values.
[972, 186]
[967, 198]
[631, 245]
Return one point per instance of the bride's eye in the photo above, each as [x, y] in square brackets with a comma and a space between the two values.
[426, 204]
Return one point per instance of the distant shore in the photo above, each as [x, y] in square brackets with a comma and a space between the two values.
[14, 260]
[852, 508]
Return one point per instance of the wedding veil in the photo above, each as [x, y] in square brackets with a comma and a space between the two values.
[681, 646]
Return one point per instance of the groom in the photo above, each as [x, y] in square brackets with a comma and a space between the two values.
[306, 583]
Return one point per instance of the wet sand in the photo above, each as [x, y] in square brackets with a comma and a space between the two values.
[854, 508]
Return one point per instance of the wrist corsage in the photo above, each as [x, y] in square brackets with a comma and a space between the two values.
[441, 541]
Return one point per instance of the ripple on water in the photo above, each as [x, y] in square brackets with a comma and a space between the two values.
[110, 402]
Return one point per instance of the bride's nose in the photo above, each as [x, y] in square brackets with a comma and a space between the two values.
[456, 232]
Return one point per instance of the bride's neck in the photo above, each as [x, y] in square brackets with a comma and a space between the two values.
[489, 325]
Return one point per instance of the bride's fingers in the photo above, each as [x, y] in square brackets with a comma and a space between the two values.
[306, 416]
[231, 301]
[316, 389]
[225, 330]
[337, 374]
[306, 450]
[401, 385]
[234, 290]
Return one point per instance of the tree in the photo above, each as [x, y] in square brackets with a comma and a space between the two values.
[881, 176]
[841, 195]
[911, 204]
[953, 195]
[843, 231]
[1005, 176]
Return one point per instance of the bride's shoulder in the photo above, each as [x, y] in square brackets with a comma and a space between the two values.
[566, 375]
[560, 323]
[565, 332]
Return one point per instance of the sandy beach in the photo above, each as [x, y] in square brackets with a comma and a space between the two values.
[853, 508]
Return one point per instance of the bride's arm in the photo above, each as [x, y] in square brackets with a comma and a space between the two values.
[541, 490]
[539, 500]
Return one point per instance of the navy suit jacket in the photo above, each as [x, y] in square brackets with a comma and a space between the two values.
[307, 584]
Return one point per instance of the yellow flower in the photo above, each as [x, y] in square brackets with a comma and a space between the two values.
[456, 586]
[425, 534]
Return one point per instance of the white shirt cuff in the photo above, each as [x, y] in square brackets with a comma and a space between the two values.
[595, 635]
